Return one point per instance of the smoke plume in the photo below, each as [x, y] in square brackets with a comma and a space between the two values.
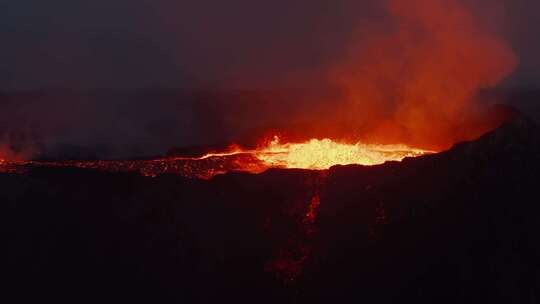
[416, 77]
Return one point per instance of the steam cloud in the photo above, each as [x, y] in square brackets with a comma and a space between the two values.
[416, 78]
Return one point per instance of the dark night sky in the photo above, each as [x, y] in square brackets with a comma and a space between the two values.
[204, 43]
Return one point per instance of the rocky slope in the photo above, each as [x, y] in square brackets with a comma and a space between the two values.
[459, 226]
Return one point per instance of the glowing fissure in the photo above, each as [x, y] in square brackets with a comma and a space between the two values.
[289, 262]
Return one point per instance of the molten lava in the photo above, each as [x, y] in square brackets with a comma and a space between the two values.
[322, 154]
[314, 154]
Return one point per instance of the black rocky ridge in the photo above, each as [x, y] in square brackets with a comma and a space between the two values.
[455, 227]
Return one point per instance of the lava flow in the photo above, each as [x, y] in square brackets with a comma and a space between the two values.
[314, 154]
[322, 154]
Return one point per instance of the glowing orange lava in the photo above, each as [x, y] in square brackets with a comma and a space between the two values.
[314, 154]
[321, 154]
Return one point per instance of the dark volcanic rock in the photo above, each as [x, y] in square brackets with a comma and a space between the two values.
[459, 226]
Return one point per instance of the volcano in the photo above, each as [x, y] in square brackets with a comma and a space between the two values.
[449, 227]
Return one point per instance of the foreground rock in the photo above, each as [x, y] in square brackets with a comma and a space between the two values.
[459, 226]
